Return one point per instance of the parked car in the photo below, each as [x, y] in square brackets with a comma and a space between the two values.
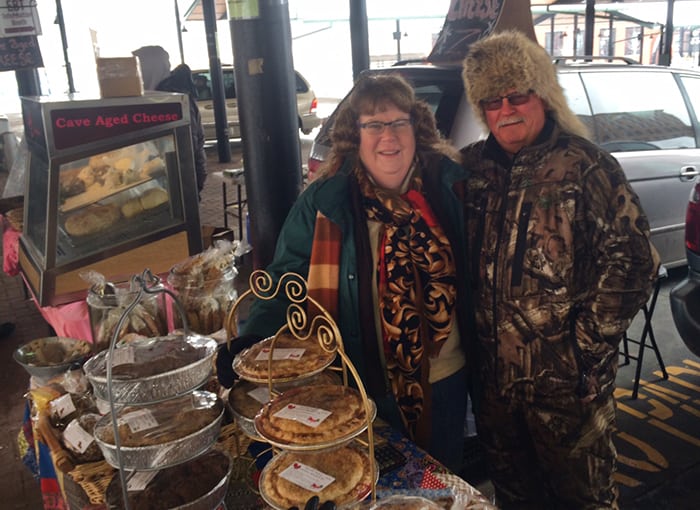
[307, 103]
[685, 296]
[648, 117]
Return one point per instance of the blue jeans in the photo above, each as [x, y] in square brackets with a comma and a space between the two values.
[449, 410]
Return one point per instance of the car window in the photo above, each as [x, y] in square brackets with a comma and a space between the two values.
[576, 97]
[638, 111]
[692, 88]
[301, 85]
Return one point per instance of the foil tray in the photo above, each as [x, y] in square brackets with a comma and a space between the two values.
[159, 456]
[157, 387]
[211, 499]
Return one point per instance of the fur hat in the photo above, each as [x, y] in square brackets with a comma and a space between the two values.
[510, 60]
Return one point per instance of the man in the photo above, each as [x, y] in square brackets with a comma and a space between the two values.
[562, 262]
[156, 75]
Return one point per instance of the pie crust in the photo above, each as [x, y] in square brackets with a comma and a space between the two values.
[347, 418]
[252, 364]
[348, 465]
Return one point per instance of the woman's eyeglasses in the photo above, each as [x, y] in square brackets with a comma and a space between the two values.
[515, 99]
[377, 127]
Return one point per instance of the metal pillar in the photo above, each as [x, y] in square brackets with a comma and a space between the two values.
[64, 43]
[267, 110]
[217, 82]
[665, 55]
[589, 27]
[28, 82]
[359, 37]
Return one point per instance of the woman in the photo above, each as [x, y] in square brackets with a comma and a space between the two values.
[390, 224]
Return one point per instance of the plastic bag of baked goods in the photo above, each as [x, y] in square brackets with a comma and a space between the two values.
[107, 303]
[204, 286]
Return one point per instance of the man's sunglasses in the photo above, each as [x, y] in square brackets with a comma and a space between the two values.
[515, 99]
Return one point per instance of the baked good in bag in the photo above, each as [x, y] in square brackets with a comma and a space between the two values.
[92, 219]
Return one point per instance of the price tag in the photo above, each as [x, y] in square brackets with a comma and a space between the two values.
[142, 419]
[123, 356]
[309, 416]
[282, 353]
[77, 437]
[307, 477]
[62, 406]
[261, 394]
[140, 480]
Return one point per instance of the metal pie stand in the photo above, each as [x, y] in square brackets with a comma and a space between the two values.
[306, 321]
[150, 284]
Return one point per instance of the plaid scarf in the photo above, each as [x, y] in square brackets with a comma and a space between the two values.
[322, 282]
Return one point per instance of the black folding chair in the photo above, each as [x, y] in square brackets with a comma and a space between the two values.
[647, 333]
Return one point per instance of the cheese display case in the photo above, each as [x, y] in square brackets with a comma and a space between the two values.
[110, 187]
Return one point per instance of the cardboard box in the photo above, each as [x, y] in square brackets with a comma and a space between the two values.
[119, 77]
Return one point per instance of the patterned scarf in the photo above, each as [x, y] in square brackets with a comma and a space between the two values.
[416, 287]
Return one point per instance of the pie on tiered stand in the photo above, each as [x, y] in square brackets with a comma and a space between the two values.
[312, 424]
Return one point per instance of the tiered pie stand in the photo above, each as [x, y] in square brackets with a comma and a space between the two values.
[298, 448]
[154, 402]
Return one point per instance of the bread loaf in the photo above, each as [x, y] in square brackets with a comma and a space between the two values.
[153, 197]
[92, 219]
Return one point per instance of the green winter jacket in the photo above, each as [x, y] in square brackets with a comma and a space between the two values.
[331, 196]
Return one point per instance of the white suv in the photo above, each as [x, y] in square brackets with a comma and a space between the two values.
[306, 103]
[648, 117]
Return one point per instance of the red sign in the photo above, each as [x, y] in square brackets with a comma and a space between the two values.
[79, 126]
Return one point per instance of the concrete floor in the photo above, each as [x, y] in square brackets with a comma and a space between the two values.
[668, 489]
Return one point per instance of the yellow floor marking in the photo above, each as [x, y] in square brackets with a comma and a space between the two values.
[695, 412]
[625, 480]
[692, 363]
[656, 458]
[675, 432]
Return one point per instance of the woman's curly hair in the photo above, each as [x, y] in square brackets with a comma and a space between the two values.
[376, 93]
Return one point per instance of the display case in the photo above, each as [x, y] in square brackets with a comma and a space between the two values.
[110, 187]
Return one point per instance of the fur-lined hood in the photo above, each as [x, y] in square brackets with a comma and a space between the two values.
[510, 60]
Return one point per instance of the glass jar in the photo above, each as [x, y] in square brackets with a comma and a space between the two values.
[107, 304]
[205, 295]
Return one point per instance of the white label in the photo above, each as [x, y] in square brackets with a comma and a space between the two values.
[77, 437]
[261, 394]
[278, 354]
[309, 416]
[62, 406]
[140, 480]
[123, 356]
[142, 419]
[307, 477]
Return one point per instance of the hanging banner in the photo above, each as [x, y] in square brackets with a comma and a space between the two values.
[467, 21]
[21, 52]
[19, 17]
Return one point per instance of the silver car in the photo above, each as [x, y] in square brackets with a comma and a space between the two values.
[646, 116]
[307, 103]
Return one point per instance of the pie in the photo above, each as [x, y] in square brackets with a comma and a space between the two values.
[295, 358]
[247, 406]
[163, 422]
[338, 414]
[92, 219]
[348, 465]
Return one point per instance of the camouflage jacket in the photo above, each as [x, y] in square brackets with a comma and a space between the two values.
[561, 261]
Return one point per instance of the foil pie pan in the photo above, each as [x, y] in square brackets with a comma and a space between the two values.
[213, 498]
[159, 386]
[161, 455]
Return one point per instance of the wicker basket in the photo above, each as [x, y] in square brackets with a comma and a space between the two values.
[93, 478]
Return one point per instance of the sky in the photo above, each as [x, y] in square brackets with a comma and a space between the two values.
[319, 30]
